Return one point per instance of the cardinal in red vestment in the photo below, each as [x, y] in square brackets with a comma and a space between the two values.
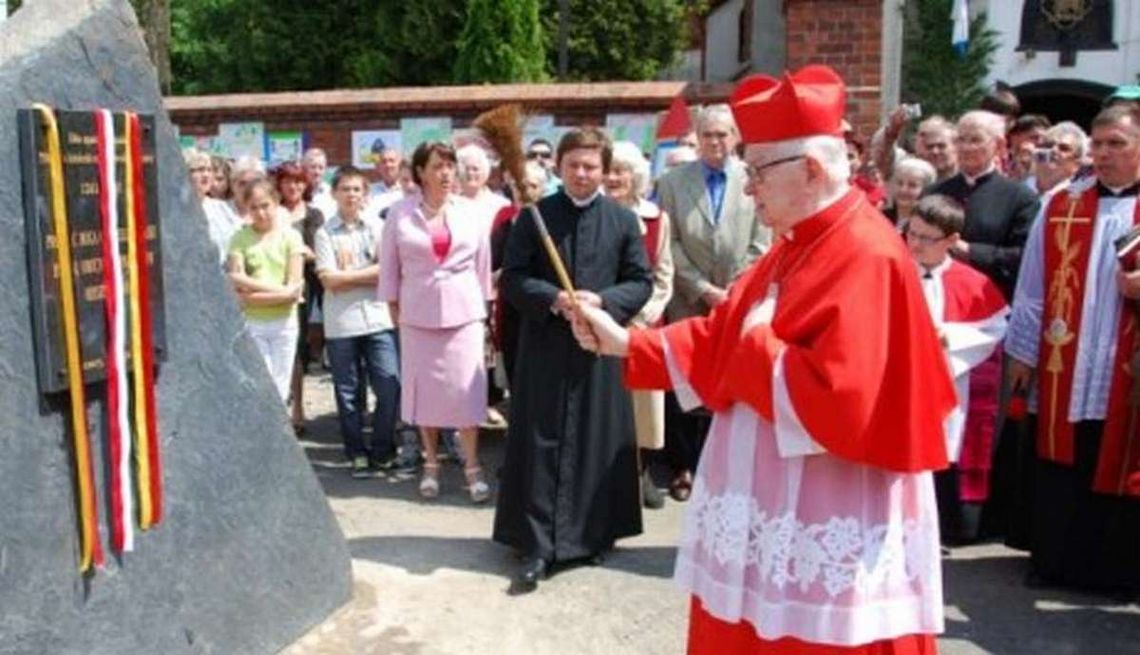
[813, 526]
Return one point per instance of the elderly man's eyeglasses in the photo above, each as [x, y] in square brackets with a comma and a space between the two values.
[756, 171]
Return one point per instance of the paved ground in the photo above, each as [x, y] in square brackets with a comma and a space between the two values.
[428, 580]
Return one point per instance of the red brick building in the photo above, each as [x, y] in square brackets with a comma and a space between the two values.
[846, 35]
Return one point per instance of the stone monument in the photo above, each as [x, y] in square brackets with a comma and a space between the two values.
[248, 554]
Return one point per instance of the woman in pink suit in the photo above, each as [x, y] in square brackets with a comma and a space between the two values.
[435, 273]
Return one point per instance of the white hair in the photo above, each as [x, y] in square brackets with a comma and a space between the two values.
[988, 122]
[246, 163]
[195, 157]
[1070, 129]
[472, 153]
[627, 154]
[719, 113]
[917, 167]
[829, 151]
[314, 153]
[680, 155]
[936, 123]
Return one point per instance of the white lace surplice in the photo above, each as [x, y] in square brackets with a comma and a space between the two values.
[803, 544]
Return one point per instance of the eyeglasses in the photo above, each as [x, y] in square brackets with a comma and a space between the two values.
[715, 134]
[925, 239]
[755, 172]
[1060, 146]
[538, 154]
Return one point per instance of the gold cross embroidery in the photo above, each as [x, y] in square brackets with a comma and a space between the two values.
[1061, 301]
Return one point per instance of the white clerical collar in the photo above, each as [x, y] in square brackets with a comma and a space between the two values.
[935, 272]
[581, 204]
[973, 179]
[1119, 192]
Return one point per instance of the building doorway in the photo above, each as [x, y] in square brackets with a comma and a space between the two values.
[1063, 100]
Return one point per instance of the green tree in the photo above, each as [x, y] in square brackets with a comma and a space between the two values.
[932, 72]
[619, 39]
[222, 46]
[502, 41]
[226, 46]
[420, 36]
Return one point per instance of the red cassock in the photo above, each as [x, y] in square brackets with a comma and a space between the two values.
[970, 312]
[851, 343]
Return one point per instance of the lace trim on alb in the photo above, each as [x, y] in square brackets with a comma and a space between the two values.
[840, 555]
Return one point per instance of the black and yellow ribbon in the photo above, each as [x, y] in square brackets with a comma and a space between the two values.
[90, 549]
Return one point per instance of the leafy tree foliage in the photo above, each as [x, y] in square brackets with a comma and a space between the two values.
[502, 41]
[619, 39]
[422, 45]
[932, 72]
[271, 45]
[223, 46]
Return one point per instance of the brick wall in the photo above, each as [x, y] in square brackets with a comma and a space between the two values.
[328, 118]
[846, 35]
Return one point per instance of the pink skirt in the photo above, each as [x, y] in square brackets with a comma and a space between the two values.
[443, 376]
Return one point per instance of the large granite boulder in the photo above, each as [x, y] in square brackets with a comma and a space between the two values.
[249, 555]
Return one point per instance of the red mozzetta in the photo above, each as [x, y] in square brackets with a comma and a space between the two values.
[863, 397]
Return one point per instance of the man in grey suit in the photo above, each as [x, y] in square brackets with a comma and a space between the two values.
[714, 227]
[715, 236]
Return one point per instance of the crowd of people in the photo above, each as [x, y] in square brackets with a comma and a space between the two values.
[429, 282]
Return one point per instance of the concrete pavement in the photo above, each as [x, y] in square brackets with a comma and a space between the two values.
[428, 581]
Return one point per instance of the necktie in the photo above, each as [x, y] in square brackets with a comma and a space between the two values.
[716, 182]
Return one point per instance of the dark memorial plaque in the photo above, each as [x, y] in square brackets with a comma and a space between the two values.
[247, 555]
[81, 182]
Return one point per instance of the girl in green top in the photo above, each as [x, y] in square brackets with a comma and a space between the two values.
[265, 265]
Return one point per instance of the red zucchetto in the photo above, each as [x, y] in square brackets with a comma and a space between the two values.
[809, 102]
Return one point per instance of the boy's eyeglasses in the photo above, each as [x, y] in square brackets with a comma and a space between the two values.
[925, 239]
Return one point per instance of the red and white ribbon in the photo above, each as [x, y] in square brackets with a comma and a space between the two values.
[118, 395]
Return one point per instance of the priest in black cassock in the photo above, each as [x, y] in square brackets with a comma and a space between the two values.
[569, 486]
[999, 210]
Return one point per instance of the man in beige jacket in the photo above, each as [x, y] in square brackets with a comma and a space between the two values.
[715, 236]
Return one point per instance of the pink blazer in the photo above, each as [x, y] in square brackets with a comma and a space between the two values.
[434, 294]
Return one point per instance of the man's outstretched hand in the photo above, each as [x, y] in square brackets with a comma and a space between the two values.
[597, 332]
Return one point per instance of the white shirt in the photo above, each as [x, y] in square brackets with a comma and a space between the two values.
[323, 200]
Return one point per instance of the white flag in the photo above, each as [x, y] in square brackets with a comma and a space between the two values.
[960, 36]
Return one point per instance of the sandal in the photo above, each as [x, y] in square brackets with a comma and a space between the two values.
[429, 482]
[476, 486]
